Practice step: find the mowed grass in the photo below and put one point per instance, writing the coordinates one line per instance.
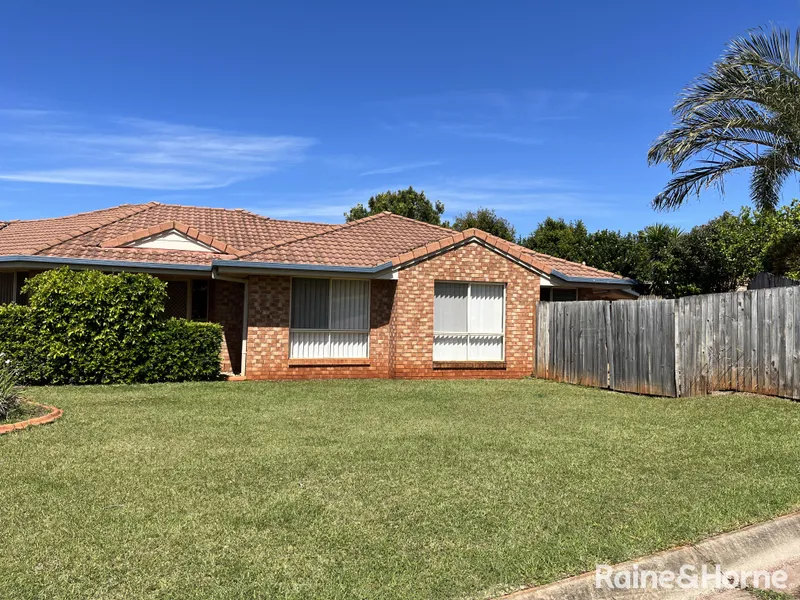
(377, 489)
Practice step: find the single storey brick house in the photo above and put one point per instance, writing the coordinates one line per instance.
(383, 296)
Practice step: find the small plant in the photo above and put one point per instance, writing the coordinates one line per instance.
(9, 392)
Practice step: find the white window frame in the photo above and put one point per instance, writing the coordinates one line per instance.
(470, 334)
(330, 315)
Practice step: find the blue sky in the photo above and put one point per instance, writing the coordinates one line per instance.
(299, 110)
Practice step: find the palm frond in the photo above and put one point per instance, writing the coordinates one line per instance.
(712, 172)
(767, 180)
(743, 113)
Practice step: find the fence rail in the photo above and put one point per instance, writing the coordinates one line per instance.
(741, 341)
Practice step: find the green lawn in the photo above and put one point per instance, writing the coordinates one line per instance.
(373, 489)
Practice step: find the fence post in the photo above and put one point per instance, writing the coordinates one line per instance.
(676, 319)
(609, 344)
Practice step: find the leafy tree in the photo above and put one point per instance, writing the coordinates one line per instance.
(782, 255)
(407, 203)
(659, 264)
(559, 238)
(721, 255)
(744, 113)
(781, 240)
(488, 221)
(613, 251)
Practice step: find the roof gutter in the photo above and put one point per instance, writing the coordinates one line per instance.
(249, 267)
(261, 267)
(54, 261)
(597, 280)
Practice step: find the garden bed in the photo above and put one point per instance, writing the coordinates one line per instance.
(27, 414)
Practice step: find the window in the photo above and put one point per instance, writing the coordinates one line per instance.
(468, 321)
(199, 300)
(330, 318)
(177, 299)
(187, 299)
(554, 294)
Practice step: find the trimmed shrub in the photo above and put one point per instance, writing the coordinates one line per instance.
(185, 351)
(9, 393)
(17, 342)
(83, 327)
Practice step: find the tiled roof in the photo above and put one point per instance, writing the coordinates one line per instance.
(29, 237)
(367, 242)
(244, 236)
(84, 235)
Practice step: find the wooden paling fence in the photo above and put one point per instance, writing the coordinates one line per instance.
(741, 341)
(768, 280)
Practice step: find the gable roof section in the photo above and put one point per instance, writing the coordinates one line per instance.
(86, 236)
(186, 230)
(510, 249)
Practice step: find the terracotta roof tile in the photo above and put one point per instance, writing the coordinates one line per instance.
(364, 243)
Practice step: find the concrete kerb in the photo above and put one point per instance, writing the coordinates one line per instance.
(752, 548)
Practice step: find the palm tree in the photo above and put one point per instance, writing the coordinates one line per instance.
(744, 113)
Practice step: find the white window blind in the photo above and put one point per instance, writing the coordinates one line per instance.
(468, 321)
(330, 318)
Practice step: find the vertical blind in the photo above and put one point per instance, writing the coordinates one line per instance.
(330, 318)
(468, 321)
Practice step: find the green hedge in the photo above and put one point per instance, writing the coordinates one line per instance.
(82, 327)
(181, 351)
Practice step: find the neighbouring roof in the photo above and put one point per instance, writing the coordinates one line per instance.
(239, 237)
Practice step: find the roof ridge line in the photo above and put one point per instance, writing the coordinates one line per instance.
(233, 210)
(307, 236)
(78, 231)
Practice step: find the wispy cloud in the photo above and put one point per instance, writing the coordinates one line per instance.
(401, 168)
(480, 133)
(519, 117)
(64, 148)
(519, 194)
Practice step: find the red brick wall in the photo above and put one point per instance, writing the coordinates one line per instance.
(226, 307)
(268, 335)
(401, 323)
(413, 313)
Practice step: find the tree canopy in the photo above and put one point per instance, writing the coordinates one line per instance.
(559, 238)
(407, 203)
(488, 221)
(718, 256)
